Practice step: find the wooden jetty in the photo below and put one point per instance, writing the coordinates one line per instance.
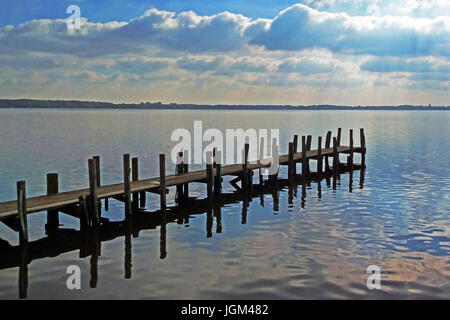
(85, 204)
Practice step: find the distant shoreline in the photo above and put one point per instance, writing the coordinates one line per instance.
(67, 104)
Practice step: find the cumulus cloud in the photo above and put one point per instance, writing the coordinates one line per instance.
(295, 28)
(300, 27)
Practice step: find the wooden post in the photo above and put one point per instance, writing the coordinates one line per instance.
(275, 160)
(180, 170)
(93, 199)
(22, 211)
(308, 148)
(245, 181)
(327, 146)
(186, 170)
(162, 180)
(135, 177)
(295, 142)
(52, 215)
(304, 166)
(350, 158)
(218, 178)
(291, 162)
(363, 147)
(85, 221)
(209, 176)
(261, 157)
(335, 156)
(339, 136)
(98, 176)
(126, 184)
(319, 155)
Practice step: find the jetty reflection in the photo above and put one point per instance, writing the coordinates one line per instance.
(88, 241)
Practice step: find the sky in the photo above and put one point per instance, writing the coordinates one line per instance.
(361, 52)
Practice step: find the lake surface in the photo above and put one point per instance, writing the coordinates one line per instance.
(397, 217)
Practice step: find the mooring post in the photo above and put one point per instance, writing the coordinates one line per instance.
(85, 221)
(209, 176)
(319, 155)
(350, 157)
(335, 156)
(304, 161)
(186, 170)
(245, 180)
(162, 180)
(93, 198)
(126, 184)
(22, 211)
(308, 148)
(327, 146)
(135, 177)
(98, 175)
(261, 157)
(52, 215)
(295, 142)
(339, 136)
(180, 170)
(218, 178)
(291, 162)
(363, 147)
(275, 162)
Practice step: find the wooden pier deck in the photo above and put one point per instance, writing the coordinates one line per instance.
(64, 199)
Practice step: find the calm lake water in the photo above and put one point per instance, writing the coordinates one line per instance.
(397, 218)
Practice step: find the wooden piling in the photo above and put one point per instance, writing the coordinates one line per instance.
(52, 215)
(98, 176)
(335, 156)
(308, 148)
(363, 147)
(295, 142)
(162, 180)
(327, 145)
(180, 170)
(350, 157)
(339, 136)
(186, 170)
(85, 221)
(275, 161)
(135, 177)
(22, 210)
(261, 157)
(93, 199)
(304, 161)
(245, 180)
(319, 155)
(209, 176)
(218, 177)
(291, 164)
(126, 184)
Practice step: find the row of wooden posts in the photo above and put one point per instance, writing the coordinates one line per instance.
(89, 207)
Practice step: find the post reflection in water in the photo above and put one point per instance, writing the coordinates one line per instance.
(23, 272)
(89, 241)
(218, 215)
(209, 223)
(128, 228)
(96, 252)
(162, 237)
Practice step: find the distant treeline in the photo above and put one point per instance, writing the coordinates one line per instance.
(60, 104)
